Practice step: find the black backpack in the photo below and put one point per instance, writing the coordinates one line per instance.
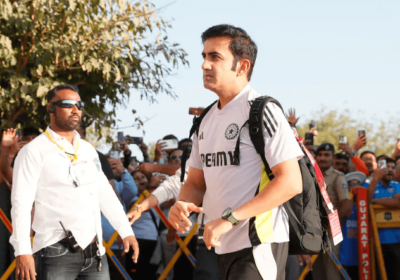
(307, 212)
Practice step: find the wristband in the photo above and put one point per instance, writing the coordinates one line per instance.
(138, 207)
(353, 153)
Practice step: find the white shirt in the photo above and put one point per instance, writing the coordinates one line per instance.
(171, 187)
(42, 176)
(230, 185)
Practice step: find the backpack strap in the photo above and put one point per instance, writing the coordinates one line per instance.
(153, 217)
(256, 127)
(256, 130)
(195, 128)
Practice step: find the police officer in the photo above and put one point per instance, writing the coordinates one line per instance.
(62, 175)
(338, 192)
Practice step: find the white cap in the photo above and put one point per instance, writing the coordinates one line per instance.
(361, 177)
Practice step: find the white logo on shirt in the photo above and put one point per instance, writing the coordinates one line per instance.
(232, 131)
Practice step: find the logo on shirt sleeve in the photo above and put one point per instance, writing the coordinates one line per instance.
(232, 131)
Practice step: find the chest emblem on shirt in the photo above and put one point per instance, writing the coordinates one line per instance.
(390, 190)
(232, 131)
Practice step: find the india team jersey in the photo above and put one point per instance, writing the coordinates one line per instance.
(229, 185)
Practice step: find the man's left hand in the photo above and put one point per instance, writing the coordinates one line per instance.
(213, 230)
(131, 241)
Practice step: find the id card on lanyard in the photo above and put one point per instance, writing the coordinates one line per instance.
(83, 172)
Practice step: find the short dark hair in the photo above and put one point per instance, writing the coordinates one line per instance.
(367, 152)
(381, 157)
(342, 156)
(390, 160)
(184, 140)
(397, 158)
(169, 137)
(241, 45)
(53, 92)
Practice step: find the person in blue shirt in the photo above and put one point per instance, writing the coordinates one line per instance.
(146, 232)
(127, 190)
(386, 192)
(348, 256)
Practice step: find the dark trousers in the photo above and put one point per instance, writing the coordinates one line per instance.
(114, 271)
(142, 270)
(59, 262)
(391, 255)
(241, 264)
(206, 264)
(183, 269)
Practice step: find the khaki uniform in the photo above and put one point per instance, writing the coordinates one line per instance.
(337, 187)
(338, 190)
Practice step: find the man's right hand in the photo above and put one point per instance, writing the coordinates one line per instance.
(379, 173)
(360, 142)
(25, 268)
(9, 137)
(133, 215)
(159, 151)
(116, 164)
(179, 213)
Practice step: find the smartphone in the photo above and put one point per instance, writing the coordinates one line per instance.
(342, 140)
(312, 125)
(19, 133)
(121, 137)
(134, 161)
(170, 144)
(134, 140)
(114, 154)
(310, 139)
(361, 131)
(195, 111)
(382, 163)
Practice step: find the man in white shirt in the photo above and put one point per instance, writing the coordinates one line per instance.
(246, 221)
(62, 175)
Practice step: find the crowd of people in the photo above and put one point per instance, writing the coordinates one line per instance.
(344, 169)
(56, 188)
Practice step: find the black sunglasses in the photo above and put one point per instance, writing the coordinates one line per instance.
(175, 157)
(66, 103)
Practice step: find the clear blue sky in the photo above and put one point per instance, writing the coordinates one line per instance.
(337, 54)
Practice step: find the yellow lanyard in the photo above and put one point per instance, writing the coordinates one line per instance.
(72, 158)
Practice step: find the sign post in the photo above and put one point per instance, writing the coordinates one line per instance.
(364, 261)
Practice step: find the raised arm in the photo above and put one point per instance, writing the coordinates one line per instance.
(9, 148)
(169, 189)
(169, 169)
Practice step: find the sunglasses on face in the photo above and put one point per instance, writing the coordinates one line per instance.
(66, 103)
(175, 157)
(354, 184)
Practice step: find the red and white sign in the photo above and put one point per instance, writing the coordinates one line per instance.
(364, 262)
